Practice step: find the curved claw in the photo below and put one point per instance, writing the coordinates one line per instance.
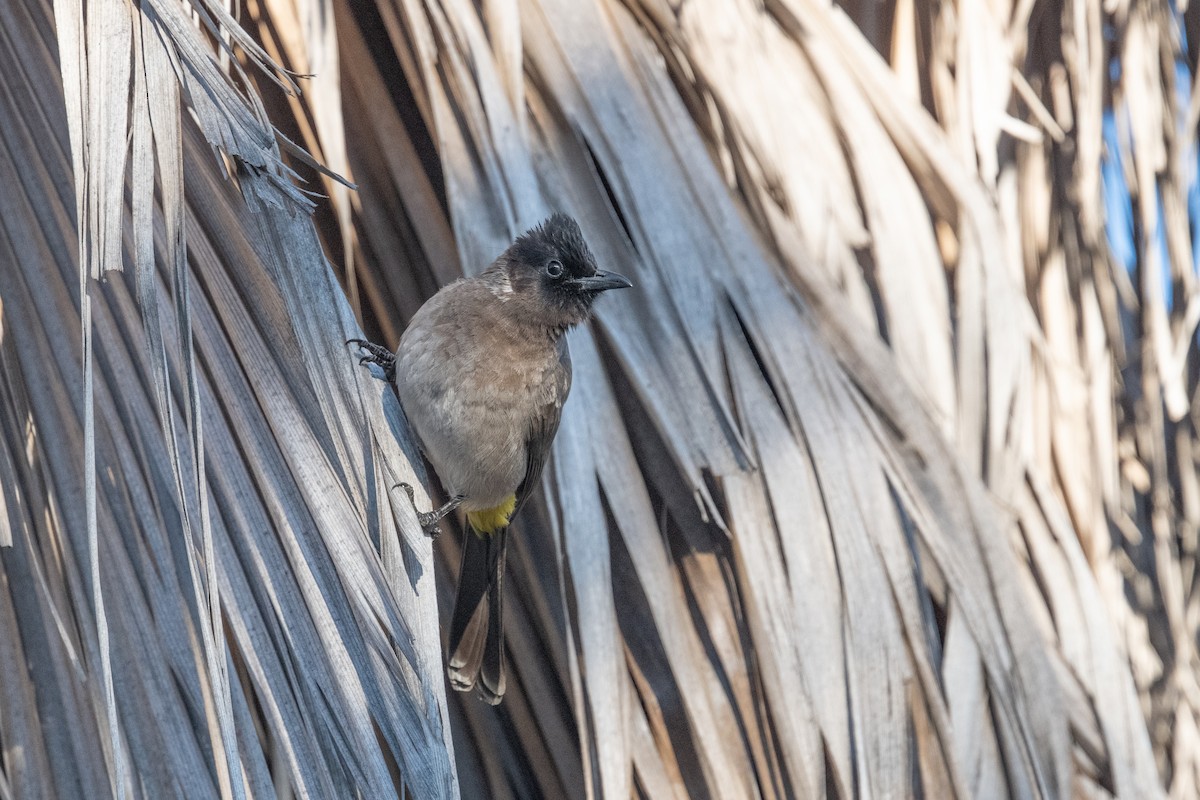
(408, 489)
(429, 519)
(376, 354)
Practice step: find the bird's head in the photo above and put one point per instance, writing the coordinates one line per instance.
(551, 268)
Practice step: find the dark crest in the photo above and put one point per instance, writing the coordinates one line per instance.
(551, 267)
(558, 238)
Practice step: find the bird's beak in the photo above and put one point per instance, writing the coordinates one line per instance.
(602, 281)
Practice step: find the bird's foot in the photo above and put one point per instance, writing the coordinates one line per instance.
(429, 520)
(377, 354)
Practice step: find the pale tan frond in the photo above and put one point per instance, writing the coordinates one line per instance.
(262, 611)
(882, 482)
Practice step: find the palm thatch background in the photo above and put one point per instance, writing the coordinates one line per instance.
(883, 482)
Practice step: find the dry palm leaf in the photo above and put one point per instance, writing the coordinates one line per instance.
(233, 568)
(831, 505)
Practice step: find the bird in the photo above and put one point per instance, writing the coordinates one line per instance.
(482, 372)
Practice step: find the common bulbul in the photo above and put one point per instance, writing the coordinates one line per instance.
(482, 373)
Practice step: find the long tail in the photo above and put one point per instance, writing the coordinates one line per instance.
(477, 623)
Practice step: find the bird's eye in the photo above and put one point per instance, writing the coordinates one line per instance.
(554, 269)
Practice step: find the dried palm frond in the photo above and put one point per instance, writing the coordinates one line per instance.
(852, 495)
(232, 569)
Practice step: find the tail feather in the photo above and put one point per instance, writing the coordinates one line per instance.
(491, 675)
(476, 624)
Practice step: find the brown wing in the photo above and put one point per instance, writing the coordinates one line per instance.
(544, 427)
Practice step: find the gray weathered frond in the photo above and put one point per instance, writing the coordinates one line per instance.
(267, 618)
(882, 481)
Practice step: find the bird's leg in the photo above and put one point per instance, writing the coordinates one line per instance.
(429, 519)
(377, 354)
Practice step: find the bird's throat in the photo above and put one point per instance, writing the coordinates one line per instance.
(489, 520)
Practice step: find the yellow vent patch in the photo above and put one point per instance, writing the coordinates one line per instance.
(490, 520)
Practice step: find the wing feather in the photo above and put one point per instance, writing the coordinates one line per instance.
(544, 427)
